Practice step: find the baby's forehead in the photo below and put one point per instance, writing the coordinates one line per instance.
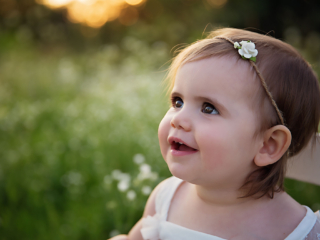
(237, 73)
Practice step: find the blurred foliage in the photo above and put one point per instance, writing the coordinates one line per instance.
(66, 122)
(171, 21)
(78, 103)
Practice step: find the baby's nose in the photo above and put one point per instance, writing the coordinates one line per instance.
(181, 121)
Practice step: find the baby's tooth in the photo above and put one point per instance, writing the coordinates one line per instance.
(180, 143)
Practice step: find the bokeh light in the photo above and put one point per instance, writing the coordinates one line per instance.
(95, 13)
(134, 2)
(55, 3)
(216, 3)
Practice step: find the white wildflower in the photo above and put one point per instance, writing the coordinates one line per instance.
(124, 177)
(131, 195)
(145, 168)
(114, 232)
(146, 190)
(120, 176)
(236, 45)
(116, 173)
(138, 158)
(147, 175)
(123, 186)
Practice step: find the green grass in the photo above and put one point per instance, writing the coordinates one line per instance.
(67, 121)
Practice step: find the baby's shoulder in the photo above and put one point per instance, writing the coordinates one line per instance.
(157, 195)
(285, 218)
(314, 233)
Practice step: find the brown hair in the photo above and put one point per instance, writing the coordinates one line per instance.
(292, 84)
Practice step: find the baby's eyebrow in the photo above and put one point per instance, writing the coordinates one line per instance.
(175, 94)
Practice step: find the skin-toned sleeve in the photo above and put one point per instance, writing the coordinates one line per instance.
(306, 165)
(149, 210)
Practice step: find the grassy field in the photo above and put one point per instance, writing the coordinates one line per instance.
(78, 140)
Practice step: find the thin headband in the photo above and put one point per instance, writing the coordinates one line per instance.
(251, 56)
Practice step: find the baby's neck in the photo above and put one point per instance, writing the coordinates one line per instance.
(230, 198)
(223, 213)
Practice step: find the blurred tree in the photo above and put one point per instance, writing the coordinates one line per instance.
(171, 21)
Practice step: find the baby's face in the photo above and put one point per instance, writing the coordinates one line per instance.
(212, 115)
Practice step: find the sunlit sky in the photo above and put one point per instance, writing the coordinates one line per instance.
(95, 13)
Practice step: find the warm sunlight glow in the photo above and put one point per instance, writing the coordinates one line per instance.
(95, 13)
(55, 3)
(134, 2)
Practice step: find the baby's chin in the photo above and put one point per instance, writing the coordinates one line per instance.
(182, 172)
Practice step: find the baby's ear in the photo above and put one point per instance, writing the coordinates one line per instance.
(276, 141)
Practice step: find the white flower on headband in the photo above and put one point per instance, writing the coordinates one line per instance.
(247, 50)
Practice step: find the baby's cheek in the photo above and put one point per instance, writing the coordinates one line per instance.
(163, 132)
(215, 152)
(214, 160)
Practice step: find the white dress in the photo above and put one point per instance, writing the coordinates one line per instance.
(157, 227)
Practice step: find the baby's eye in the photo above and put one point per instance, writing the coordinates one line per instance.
(177, 102)
(209, 109)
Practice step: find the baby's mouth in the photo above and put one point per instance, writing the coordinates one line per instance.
(179, 146)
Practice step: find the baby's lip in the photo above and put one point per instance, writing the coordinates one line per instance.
(172, 140)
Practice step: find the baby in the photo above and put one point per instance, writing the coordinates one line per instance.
(242, 105)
